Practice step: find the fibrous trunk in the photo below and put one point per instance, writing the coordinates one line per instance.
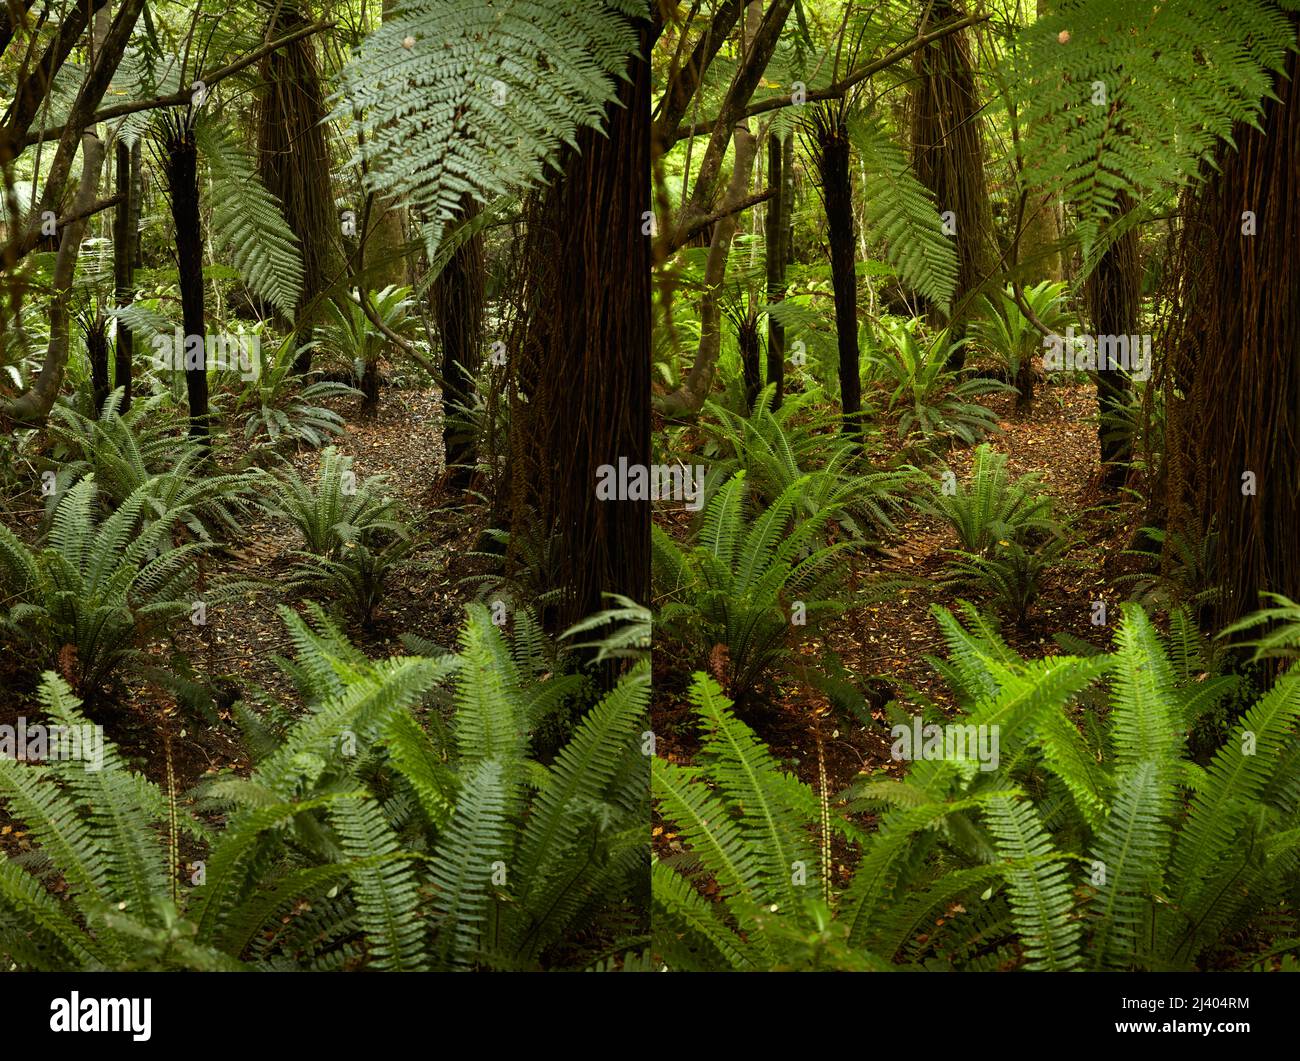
(774, 239)
(293, 160)
(124, 250)
(948, 156)
(829, 143)
(580, 356)
(457, 301)
(1114, 294)
(1234, 344)
(179, 158)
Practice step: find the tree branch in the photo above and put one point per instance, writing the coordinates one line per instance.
(182, 97)
(679, 239)
(838, 89)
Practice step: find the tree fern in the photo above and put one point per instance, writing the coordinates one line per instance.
(900, 213)
(470, 98)
(1122, 99)
(247, 222)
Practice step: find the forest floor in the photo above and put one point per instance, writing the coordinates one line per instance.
(424, 596)
(883, 645)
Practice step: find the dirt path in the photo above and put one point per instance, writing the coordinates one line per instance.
(889, 640)
(404, 443)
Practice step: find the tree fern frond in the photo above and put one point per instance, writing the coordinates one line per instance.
(248, 223)
(457, 97)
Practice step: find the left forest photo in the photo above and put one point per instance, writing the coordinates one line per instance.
(324, 355)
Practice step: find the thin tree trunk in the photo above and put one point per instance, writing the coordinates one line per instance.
(774, 241)
(693, 393)
(457, 301)
(829, 143)
(124, 248)
(35, 405)
(180, 158)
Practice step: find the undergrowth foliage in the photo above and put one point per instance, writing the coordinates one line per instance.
(755, 579)
(1100, 840)
(362, 837)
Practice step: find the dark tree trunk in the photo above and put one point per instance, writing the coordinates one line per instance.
(774, 239)
(457, 302)
(948, 156)
(293, 161)
(137, 191)
(179, 158)
(124, 249)
(97, 353)
(369, 387)
(1234, 342)
(580, 354)
(829, 142)
(1114, 292)
(747, 340)
(787, 209)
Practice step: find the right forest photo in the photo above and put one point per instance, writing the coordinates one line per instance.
(975, 376)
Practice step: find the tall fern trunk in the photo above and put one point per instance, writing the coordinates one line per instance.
(1234, 341)
(747, 342)
(774, 240)
(829, 144)
(1041, 255)
(1114, 294)
(580, 355)
(948, 156)
(293, 161)
(124, 250)
(457, 302)
(97, 354)
(179, 160)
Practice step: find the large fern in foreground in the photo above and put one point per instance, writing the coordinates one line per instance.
(360, 838)
(1098, 845)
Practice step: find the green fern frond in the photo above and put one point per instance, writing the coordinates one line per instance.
(464, 98)
(247, 221)
(900, 213)
(1041, 897)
